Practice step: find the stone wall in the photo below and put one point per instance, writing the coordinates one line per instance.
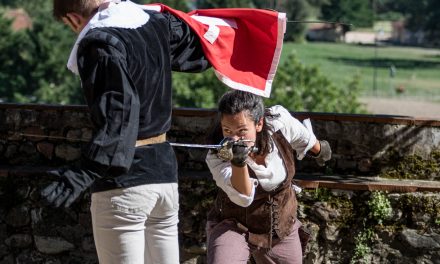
(362, 145)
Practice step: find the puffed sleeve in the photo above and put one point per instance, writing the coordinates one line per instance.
(221, 172)
(113, 102)
(300, 136)
(186, 51)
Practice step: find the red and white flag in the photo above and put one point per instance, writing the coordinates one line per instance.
(242, 44)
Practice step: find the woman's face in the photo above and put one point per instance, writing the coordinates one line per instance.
(240, 126)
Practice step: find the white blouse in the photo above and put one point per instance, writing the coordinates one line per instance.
(299, 135)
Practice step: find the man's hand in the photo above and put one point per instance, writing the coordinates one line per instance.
(68, 187)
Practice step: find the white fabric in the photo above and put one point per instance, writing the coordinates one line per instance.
(136, 225)
(118, 14)
(270, 176)
(213, 31)
(296, 188)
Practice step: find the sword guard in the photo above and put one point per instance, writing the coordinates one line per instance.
(225, 151)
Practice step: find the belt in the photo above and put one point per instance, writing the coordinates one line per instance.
(152, 140)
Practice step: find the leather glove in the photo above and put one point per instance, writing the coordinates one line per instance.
(240, 151)
(324, 154)
(68, 187)
(234, 151)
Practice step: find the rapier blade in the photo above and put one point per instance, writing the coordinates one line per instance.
(195, 145)
(174, 144)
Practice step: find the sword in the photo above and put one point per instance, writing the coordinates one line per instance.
(189, 145)
(220, 146)
(46, 136)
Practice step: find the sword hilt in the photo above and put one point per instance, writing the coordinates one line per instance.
(225, 151)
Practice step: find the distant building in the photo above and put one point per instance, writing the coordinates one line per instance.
(324, 32)
(20, 19)
(363, 37)
(335, 33)
(401, 35)
(360, 37)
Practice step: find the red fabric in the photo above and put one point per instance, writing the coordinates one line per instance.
(246, 52)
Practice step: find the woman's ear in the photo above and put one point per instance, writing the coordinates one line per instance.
(259, 125)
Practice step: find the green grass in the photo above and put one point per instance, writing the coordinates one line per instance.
(417, 69)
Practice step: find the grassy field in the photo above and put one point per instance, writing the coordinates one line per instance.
(417, 70)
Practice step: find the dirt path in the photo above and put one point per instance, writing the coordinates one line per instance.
(405, 107)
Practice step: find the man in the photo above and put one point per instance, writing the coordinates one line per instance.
(124, 56)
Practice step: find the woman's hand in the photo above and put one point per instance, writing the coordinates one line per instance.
(240, 152)
(324, 154)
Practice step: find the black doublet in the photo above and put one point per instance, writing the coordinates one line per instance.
(126, 78)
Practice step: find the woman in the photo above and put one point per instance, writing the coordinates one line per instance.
(255, 210)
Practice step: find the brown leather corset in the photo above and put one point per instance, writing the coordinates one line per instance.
(271, 214)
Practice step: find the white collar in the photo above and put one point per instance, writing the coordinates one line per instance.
(125, 14)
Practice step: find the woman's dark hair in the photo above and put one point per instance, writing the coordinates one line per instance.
(234, 102)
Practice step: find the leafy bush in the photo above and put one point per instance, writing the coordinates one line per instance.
(33, 71)
(362, 248)
(296, 87)
(33, 60)
(413, 166)
(380, 207)
(200, 90)
(302, 88)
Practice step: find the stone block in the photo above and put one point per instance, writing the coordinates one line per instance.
(18, 216)
(419, 241)
(35, 131)
(46, 149)
(67, 152)
(52, 245)
(19, 241)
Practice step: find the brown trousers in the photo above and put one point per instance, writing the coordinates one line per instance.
(227, 244)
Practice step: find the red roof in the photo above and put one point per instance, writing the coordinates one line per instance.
(20, 19)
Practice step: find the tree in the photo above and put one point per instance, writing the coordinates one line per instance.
(200, 90)
(297, 87)
(302, 88)
(296, 10)
(176, 4)
(33, 70)
(14, 53)
(356, 12)
(35, 59)
(420, 15)
(202, 4)
(8, 2)
(432, 25)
